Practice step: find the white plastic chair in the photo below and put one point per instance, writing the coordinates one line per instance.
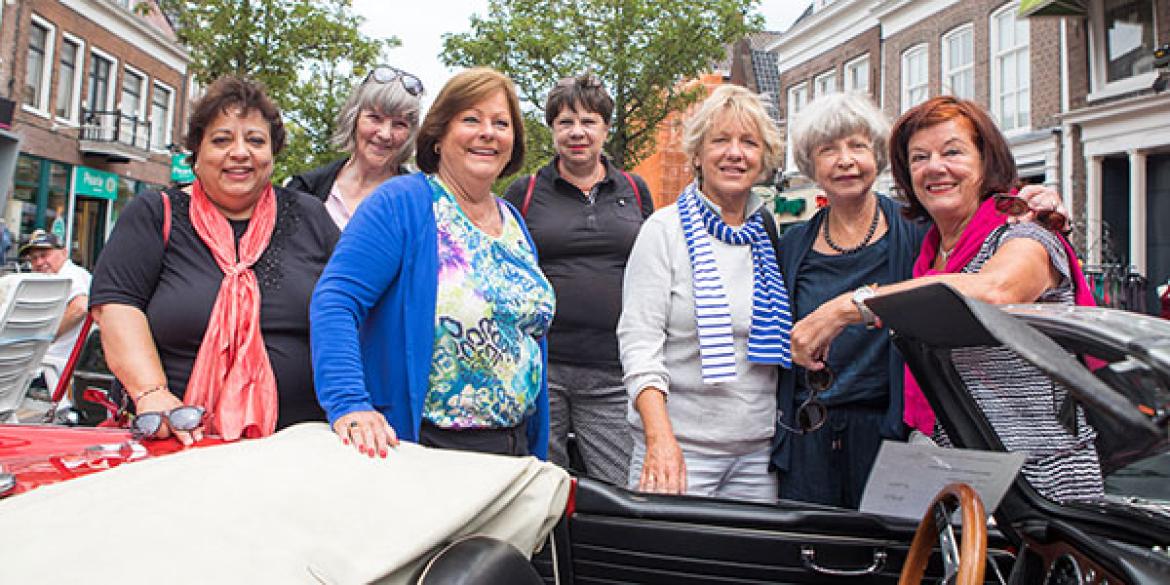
(31, 306)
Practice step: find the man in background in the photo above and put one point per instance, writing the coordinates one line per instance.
(46, 254)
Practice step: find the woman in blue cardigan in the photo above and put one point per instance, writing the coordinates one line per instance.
(428, 323)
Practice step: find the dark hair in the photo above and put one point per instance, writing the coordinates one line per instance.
(463, 91)
(999, 167)
(227, 94)
(581, 93)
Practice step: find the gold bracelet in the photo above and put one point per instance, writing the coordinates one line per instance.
(149, 391)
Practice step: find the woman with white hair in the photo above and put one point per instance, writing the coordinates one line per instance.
(832, 421)
(859, 240)
(377, 127)
(705, 319)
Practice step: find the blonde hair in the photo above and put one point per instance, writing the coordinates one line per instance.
(742, 105)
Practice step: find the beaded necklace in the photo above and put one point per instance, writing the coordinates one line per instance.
(877, 214)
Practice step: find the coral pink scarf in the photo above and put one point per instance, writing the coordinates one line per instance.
(918, 413)
(232, 377)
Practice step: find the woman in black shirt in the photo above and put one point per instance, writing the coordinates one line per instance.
(178, 261)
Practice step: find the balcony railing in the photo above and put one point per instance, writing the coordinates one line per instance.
(115, 126)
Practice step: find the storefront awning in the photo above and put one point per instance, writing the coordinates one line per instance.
(1053, 7)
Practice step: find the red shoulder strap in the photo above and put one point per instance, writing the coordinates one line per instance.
(528, 195)
(166, 226)
(634, 186)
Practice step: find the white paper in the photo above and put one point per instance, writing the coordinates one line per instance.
(906, 477)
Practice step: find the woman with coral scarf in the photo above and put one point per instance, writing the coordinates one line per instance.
(202, 292)
(955, 166)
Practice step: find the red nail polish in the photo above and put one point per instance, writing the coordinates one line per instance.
(383, 454)
(344, 441)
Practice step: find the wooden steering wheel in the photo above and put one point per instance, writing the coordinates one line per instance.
(966, 562)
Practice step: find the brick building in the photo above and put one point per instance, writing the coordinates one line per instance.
(1115, 130)
(1070, 84)
(99, 90)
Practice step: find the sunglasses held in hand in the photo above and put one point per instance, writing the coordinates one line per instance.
(387, 74)
(185, 418)
(812, 413)
(1015, 206)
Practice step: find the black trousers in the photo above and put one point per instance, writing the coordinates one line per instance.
(506, 441)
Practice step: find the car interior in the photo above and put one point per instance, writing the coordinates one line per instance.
(1116, 366)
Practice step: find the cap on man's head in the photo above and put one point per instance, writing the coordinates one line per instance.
(41, 240)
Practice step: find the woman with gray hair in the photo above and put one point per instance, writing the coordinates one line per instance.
(827, 439)
(705, 318)
(831, 421)
(377, 127)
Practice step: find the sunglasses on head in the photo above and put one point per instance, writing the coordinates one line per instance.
(812, 413)
(387, 74)
(185, 418)
(589, 81)
(1014, 205)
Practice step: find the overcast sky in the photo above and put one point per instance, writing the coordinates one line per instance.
(420, 26)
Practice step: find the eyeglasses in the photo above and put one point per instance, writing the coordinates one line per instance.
(1014, 205)
(184, 418)
(387, 74)
(812, 413)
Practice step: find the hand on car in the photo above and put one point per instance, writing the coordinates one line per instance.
(368, 431)
(1042, 203)
(664, 470)
(163, 401)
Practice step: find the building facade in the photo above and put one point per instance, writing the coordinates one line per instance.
(1071, 85)
(98, 89)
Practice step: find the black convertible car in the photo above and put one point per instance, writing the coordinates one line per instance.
(1117, 368)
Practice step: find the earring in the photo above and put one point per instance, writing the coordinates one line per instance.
(436, 149)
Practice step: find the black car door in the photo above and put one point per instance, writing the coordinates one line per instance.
(614, 535)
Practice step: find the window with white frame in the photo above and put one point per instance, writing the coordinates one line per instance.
(958, 60)
(133, 106)
(162, 102)
(915, 76)
(797, 99)
(1128, 38)
(38, 65)
(99, 99)
(1010, 70)
(857, 74)
(825, 83)
(69, 78)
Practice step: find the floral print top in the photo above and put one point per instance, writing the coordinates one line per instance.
(493, 303)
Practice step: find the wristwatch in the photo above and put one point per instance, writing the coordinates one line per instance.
(859, 297)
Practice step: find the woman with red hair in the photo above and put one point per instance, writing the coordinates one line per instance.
(955, 167)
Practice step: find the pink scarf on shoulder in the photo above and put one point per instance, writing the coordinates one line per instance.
(232, 378)
(917, 412)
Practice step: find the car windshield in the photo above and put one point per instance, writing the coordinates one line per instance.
(1128, 352)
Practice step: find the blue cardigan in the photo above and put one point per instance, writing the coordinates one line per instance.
(905, 239)
(373, 312)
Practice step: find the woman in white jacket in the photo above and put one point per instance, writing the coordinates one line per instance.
(705, 319)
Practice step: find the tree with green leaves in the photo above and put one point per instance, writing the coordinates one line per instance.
(643, 50)
(308, 53)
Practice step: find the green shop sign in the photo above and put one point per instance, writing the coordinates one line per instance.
(181, 171)
(94, 183)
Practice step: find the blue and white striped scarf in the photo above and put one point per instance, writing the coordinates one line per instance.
(769, 339)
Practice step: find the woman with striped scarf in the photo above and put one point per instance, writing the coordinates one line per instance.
(705, 319)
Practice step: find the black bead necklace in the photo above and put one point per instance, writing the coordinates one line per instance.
(877, 214)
